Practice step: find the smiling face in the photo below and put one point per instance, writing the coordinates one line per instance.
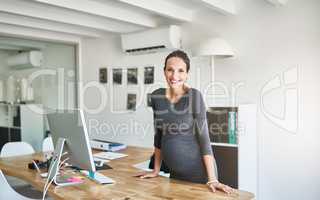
(175, 72)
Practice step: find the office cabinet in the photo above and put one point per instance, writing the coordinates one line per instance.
(9, 132)
(236, 160)
(22, 122)
(4, 136)
(32, 125)
(227, 164)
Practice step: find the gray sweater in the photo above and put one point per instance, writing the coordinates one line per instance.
(181, 132)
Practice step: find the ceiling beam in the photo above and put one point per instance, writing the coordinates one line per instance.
(12, 48)
(41, 11)
(103, 10)
(19, 20)
(163, 8)
(37, 34)
(21, 44)
(226, 7)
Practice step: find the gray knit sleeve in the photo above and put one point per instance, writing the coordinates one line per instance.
(157, 131)
(157, 139)
(200, 123)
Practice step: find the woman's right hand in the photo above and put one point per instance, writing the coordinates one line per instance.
(148, 174)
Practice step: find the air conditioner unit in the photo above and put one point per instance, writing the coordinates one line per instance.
(26, 60)
(278, 2)
(152, 40)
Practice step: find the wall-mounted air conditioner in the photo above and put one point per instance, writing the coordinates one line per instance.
(278, 2)
(25, 60)
(152, 40)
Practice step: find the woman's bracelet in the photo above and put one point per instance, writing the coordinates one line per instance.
(214, 181)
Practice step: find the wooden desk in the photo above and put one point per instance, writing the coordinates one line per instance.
(126, 186)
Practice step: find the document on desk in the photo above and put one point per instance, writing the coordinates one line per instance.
(145, 167)
(109, 155)
(99, 159)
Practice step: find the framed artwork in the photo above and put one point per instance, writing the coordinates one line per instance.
(149, 75)
(132, 76)
(131, 102)
(103, 75)
(117, 76)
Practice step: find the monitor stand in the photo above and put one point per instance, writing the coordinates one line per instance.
(54, 166)
(54, 169)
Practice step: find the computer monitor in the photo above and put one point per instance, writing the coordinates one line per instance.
(70, 125)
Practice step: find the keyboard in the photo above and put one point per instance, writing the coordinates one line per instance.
(98, 177)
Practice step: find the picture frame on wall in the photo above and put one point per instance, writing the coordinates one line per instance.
(103, 75)
(149, 75)
(117, 76)
(131, 102)
(132, 76)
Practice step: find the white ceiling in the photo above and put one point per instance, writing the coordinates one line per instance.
(94, 18)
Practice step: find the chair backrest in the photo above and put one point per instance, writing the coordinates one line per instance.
(16, 149)
(47, 144)
(6, 192)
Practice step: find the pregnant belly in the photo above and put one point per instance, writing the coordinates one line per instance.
(182, 155)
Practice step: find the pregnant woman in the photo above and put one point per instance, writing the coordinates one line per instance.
(181, 131)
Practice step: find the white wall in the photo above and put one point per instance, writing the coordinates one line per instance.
(3, 70)
(56, 56)
(268, 41)
(114, 122)
(61, 57)
(3, 65)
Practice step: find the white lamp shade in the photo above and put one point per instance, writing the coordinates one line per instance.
(214, 47)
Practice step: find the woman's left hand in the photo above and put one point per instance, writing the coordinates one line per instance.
(219, 186)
